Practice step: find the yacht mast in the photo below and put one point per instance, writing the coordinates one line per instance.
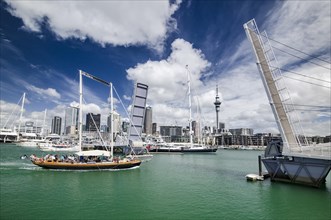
(80, 114)
(42, 129)
(189, 103)
(81, 101)
(112, 121)
(20, 120)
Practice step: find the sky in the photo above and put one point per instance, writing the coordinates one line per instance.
(45, 43)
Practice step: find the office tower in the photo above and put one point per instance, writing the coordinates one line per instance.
(71, 120)
(148, 120)
(93, 122)
(56, 125)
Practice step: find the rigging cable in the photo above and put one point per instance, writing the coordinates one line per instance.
(302, 107)
(315, 106)
(290, 71)
(301, 58)
(297, 50)
(307, 82)
(12, 113)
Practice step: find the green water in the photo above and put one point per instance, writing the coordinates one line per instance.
(189, 186)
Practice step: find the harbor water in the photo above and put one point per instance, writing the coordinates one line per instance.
(170, 186)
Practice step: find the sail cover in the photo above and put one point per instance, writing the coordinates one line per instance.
(138, 112)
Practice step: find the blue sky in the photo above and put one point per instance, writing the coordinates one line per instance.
(43, 44)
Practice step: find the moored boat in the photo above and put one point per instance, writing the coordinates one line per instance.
(181, 148)
(8, 135)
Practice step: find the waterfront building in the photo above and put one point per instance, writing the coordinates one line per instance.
(71, 121)
(171, 131)
(195, 128)
(93, 122)
(221, 127)
(148, 120)
(56, 125)
(154, 128)
(241, 131)
(242, 139)
(117, 123)
(30, 127)
(317, 139)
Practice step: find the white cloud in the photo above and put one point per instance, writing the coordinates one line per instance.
(45, 93)
(167, 80)
(105, 22)
(304, 25)
(126, 97)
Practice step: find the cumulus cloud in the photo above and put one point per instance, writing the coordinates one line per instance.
(167, 79)
(105, 22)
(45, 93)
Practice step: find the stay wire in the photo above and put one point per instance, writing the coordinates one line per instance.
(298, 50)
(307, 82)
(301, 58)
(311, 106)
(290, 71)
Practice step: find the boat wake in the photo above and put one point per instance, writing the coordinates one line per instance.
(17, 165)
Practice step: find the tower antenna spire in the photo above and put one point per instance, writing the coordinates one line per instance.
(217, 104)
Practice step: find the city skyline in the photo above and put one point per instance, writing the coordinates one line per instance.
(119, 123)
(41, 52)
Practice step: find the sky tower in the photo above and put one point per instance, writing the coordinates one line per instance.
(217, 104)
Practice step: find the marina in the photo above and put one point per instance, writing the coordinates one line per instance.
(117, 120)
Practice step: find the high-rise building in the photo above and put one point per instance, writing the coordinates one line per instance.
(148, 120)
(154, 128)
(56, 125)
(116, 122)
(93, 122)
(71, 120)
(221, 127)
(195, 128)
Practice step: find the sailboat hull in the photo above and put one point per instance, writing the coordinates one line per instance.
(183, 150)
(87, 166)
